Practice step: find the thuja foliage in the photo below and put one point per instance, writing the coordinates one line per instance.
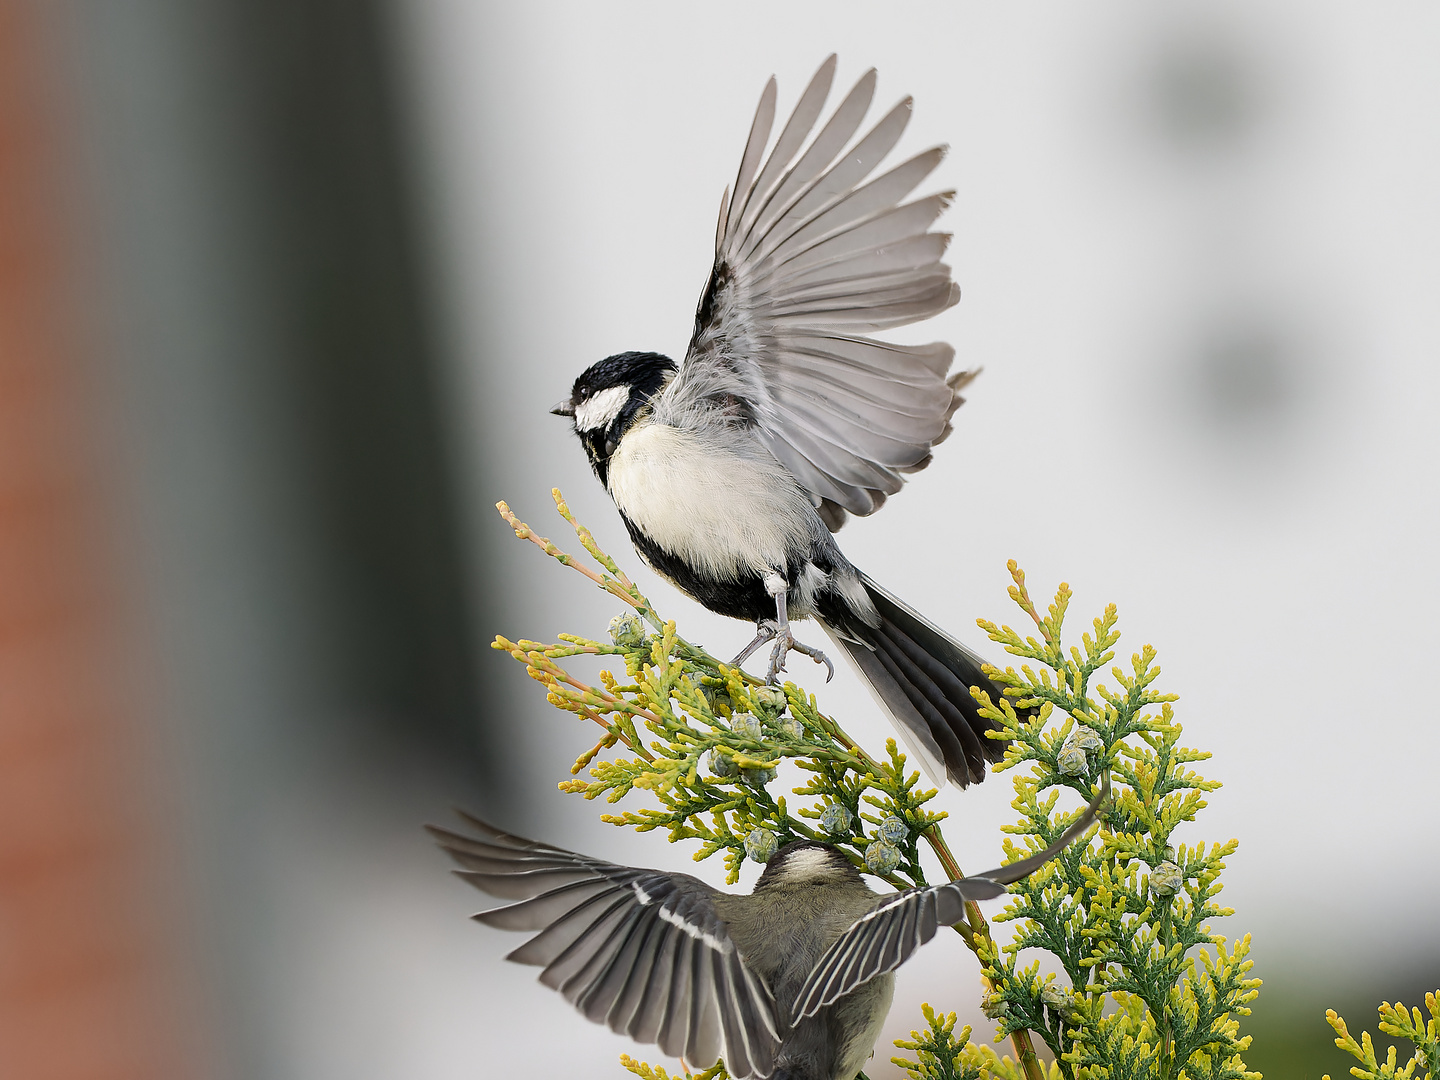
(656, 1072)
(717, 736)
(940, 1054)
(1146, 990)
(1398, 1023)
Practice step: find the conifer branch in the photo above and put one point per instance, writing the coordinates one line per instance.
(1125, 911)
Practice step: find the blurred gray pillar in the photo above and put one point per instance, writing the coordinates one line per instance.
(266, 339)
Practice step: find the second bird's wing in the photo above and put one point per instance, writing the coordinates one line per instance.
(641, 951)
(809, 258)
(884, 938)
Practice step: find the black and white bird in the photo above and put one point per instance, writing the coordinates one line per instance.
(732, 469)
(793, 981)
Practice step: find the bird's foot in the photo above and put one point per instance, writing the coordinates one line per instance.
(765, 630)
(784, 643)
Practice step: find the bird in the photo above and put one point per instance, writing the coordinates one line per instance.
(732, 469)
(793, 981)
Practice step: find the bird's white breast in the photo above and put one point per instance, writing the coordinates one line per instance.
(723, 511)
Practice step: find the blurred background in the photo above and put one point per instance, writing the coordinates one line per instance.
(286, 289)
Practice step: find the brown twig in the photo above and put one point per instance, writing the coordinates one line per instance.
(1021, 596)
(545, 544)
(975, 932)
(1025, 1053)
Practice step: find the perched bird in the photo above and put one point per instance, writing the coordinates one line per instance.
(732, 469)
(793, 981)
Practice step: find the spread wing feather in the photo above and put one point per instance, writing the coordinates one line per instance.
(825, 190)
(807, 111)
(885, 937)
(641, 951)
(838, 130)
(809, 257)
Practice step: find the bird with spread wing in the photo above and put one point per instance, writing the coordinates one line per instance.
(733, 469)
(792, 981)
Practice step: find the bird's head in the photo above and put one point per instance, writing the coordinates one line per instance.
(608, 397)
(807, 863)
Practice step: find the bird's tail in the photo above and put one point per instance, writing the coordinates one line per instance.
(922, 677)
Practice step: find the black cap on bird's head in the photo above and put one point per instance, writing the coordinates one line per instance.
(806, 863)
(608, 395)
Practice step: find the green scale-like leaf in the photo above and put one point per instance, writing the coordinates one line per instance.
(1147, 990)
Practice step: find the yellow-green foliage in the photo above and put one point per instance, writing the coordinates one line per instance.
(655, 1072)
(707, 718)
(1399, 1023)
(1147, 990)
(940, 1054)
(1127, 915)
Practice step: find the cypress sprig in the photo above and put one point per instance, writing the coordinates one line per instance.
(708, 738)
(940, 1054)
(1127, 915)
(655, 1072)
(1398, 1023)
(1147, 990)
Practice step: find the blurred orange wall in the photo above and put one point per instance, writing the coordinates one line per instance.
(90, 978)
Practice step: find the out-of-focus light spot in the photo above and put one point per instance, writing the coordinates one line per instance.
(1244, 373)
(1204, 96)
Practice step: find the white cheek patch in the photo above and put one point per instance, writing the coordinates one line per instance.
(599, 411)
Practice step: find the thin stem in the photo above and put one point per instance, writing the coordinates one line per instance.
(587, 540)
(1167, 1049)
(610, 585)
(634, 744)
(975, 928)
(975, 932)
(936, 840)
(1025, 1052)
(619, 585)
(1098, 971)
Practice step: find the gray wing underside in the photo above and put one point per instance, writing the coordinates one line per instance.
(640, 951)
(888, 935)
(809, 258)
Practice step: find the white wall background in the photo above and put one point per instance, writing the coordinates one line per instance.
(1197, 245)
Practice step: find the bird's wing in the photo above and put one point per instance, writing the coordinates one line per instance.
(885, 937)
(641, 951)
(808, 259)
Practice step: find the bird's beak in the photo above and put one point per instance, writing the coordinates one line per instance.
(563, 408)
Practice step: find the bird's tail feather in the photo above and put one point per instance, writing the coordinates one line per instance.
(922, 677)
